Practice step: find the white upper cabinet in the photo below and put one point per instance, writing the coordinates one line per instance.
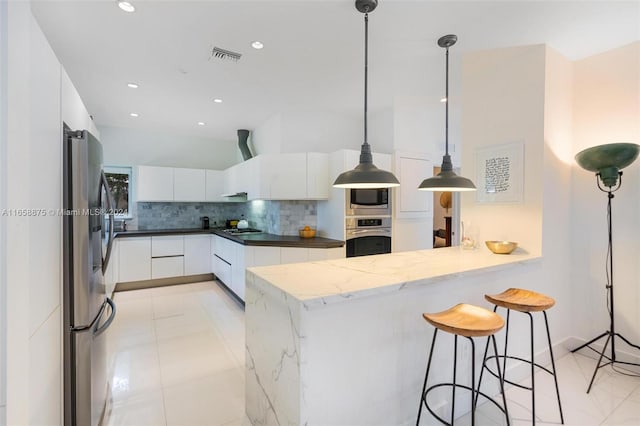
(282, 177)
(214, 185)
(189, 184)
(317, 176)
(411, 169)
(299, 176)
(154, 183)
(292, 176)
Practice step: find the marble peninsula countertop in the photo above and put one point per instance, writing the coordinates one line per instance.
(333, 281)
(257, 239)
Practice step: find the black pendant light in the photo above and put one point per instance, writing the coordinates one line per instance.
(366, 174)
(447, 180)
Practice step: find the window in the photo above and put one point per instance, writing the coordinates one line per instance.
(119, 179)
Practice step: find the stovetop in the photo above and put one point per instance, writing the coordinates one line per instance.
(236, 231)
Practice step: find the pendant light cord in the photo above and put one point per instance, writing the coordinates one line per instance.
(366, 69)
(446, 106)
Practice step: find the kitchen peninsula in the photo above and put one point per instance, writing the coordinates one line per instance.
(343, 341)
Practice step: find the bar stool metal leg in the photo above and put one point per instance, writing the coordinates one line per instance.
(533, 373)
(500, 379)
(426, 376)
(532, 363)
(473, 382)
(553, 366)
(453, 388)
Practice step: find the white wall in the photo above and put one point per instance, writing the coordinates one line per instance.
(3, 204)
(557, 245)
(503, 102)
(39, 96)
(524, 94)
(606, 110)
(124, 146)
(308, 131)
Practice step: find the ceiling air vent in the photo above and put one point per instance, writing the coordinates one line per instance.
(225, 55)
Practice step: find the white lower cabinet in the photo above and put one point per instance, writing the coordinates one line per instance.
(134, 259)
(316, 254)
(230, 259)
(197, 254)
(294, 255)
(166, 267)
(111, 275)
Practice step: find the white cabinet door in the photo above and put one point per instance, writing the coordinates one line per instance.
(317, 176)
(189, 184)
(111, 276)
(238, 270)
(154, 183)
(294, 254)
(167, 245)
(214, 186)
(197, 254)
(230, 180)
(222, 271)
(166, 267)
(261, 256)
(411, 170)
(135, 259)
(316, 254)
(287, 176)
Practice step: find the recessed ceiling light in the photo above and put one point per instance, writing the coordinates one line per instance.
(257, 45)
(201, 123)
(133, 85)
(134, 114)
(443, 100)
(126, 6)
(218, 101)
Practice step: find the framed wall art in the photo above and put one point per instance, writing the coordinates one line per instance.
(500, 173)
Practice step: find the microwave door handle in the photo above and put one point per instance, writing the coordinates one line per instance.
(107, 255)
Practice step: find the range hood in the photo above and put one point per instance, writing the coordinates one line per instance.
(235, 195)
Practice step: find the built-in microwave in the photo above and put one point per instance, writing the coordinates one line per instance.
(368, 202)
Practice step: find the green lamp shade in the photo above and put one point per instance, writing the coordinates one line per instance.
(607, 160)
(365, 176)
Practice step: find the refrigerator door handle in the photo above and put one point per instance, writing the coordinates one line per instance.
(110, 208)
(99, 330)
(83, 328)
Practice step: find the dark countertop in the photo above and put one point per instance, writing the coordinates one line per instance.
(262, 239)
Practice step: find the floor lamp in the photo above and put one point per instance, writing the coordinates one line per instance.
(607, 161)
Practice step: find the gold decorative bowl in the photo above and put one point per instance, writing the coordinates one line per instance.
(501, 247)
(307, 233)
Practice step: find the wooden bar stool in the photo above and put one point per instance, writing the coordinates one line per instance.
(524, 301)
(468, 321)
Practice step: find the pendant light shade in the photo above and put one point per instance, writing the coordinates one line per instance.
(366, 174)
(447, 179)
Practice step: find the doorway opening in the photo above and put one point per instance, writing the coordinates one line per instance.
(446, 217)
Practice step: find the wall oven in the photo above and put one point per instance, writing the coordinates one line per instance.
(368, 202)
(368, 235)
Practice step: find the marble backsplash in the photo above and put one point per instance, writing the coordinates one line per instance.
(274, 217)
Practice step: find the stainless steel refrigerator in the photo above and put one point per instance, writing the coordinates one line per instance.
(88, 312)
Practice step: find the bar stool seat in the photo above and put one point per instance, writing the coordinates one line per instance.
(525, 301)
(521, 300)
(467, 321)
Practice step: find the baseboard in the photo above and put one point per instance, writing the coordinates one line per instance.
(162, 282)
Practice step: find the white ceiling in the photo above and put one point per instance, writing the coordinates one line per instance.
(313, 55)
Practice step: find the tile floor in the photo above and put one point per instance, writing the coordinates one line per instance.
(178, 359)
